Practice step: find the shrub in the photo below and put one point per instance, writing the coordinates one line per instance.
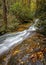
(13, 24)
(23, 13)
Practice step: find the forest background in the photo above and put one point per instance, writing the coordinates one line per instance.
(17, 15)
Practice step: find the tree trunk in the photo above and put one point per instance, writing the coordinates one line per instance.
(29, 2)
(5, 13)
(40, 7)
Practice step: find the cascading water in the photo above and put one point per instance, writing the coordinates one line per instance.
(10, 41)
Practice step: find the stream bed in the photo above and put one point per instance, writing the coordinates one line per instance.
(23, 48)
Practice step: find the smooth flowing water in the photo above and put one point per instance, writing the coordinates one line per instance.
(10, 41)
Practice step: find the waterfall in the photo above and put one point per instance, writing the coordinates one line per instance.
(10, 41)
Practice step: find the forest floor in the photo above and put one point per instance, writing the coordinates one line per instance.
(20, 28)
(30, 51)
(23, 27)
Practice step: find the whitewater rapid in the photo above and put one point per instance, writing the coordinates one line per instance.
(10, 41)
